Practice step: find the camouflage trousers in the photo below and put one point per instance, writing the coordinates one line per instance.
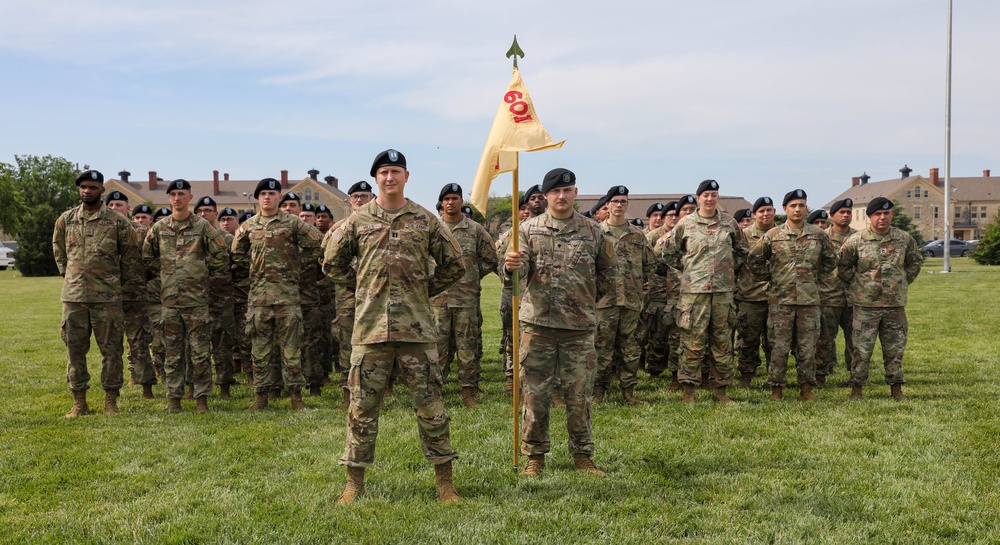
(330, 346)
(139, 333)
(276, 332)
(312, 345)
(834, 318)
(507, 339)
(706, 322)
(661, 336)
(751, 336)
(105, 321)
(458, 333)
(889, 325)
(343, 329)
(222, 311)
(793, 327)
(187, 337)
(551, 357)
(371, 366)
(242, 360)
(617, 346)
(156, 348)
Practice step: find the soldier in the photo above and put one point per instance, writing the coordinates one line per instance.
(393, 240)
(142, 215)
(329, 348)
(522, 209)
(536, 201)
(244, 217)
(455, 309)
(619, 310)
(686, 206)
(566, 266)
(155, 307)
(744, 217)
(793, 257)
(97, 252)
(707, 247)
(188, 255)
(833, 297)
(229, 220)
(670, 214)
(308, 214)
(221, 305)
(242, 361)
(599, 212)
(819, 218)
(660, 331)
(751, 300)
(877, 264)
(654, 215)
(270, 248)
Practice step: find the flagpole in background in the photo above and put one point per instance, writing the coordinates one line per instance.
(515, 128)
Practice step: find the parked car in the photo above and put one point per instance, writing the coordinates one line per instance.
(6, 258)
(959, 248)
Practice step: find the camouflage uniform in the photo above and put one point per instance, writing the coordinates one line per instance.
(456, 308)
(312, 319)
(793, 261)
(342, 328)
(271, 251)
(619, 310)
(877, 271)
(394, 326)
(707, 251)
(506, 312)
(96, 253)
(154, 309)
(222, 310)
(751, 313)
(189, 256)
(138, 327)
(329, 354)
(568, 268)
(660, 329)
(836, 314)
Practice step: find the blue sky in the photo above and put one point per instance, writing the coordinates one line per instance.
(763, 96)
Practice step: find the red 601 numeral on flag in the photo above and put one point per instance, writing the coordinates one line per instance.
(518, 107)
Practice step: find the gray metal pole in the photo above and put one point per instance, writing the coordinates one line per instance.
(947, 155)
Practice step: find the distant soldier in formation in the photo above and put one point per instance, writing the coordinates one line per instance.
(744, 217)
(456, 308)
(96, 251)
(837, 313)
(242, 361)
(308, 214)
(659, 329)
(819, 218)
(382, 252)
(566, 266)
(221, 304)
(877, 264)
(599, 212)
(793, 257)
(619, 310)
(751, 300)
(654, 216)
(329, 351)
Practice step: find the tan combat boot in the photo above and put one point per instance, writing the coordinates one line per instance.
(296, 395)
(80, 407)
(806, 392)
(509, 388)
(355, 485)
(897, 392)
(598, 396)
(777, 392)
(347, 399)
(583, 462)
(689, 393)
(147, 391)
(746, 380)
(259, 404)
(534, 467)
(855, 392)
(469, 397)
(445, 488)
(174, 404)
(224, 392)
(721, 397)
(675, 385)
(201, 404)
(111, 402)
(629, 395)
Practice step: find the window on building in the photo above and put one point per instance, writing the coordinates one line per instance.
(925, 193)
(936, 215)
(309, 195)
(916, 192)
(982, 212)
(958, 213)
(909, 194)
(916, 212)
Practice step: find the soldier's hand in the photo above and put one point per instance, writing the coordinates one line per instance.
(512, 260)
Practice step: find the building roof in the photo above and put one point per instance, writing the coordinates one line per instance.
(976, 189)
(965, 189)
(862, 194)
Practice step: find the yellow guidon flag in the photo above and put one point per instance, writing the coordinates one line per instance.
(515, 128)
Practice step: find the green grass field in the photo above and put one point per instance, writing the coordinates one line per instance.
(832, 471)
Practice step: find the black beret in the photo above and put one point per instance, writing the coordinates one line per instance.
(535, 189)
(686, 200)
(671, 206)
(227, 212)
(793, 195)
(588, 214)
(245, 216)
(115, 196)
(161, 212)
(205, 202)
(309, 207)
(655, 207)
(290, 197)
(467, 210)
(761, 202)
(818, 214)
(637, 222)
(324, 209)
(523, 201)
(179, 183)
(439, 207)
(557, 177)
(389, 157)
(90, 176)
(843, 203)
(600, 204)
(360, 186)
(142, 209)
(743, 213)
(449, 189)
(878, 203)
(267, 184)
(707, 185)
(616, 190)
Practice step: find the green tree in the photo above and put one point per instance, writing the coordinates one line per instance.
(902, 220)
(34, 245)
(988, 252)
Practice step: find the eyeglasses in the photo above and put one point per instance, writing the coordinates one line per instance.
(621, 203)
(360, 197)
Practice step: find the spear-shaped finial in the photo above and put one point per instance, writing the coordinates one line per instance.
(515, 51)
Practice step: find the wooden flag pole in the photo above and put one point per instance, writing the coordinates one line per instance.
(515, 331)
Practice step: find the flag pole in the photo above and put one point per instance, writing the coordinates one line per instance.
(515, 303)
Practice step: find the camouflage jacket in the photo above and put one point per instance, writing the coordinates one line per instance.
(793, 260)
(312, 275)
(270, 251)
(506, 291)
(188, 256)
(748, 286)
(479, 258)
(343, 295)
(878, 269)
(135, 288)
(664, 286)
(221, 285)
(707, 251)
(97, 253)
(393, 283)
(831, 289)
(565, 273)
(636, 267)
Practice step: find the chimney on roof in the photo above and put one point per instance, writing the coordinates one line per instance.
(313, 173)
(284, 179)
(225, 176)
(332, 180)
(125, 174)
(855, 181)
(864, 178)
(935, 178)
(152, 180)
(906, 171)
(986, 173)
(215, 182)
